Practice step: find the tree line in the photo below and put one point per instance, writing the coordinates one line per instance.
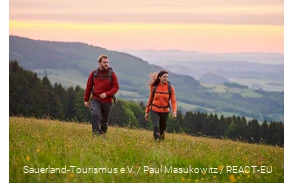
(31, 96)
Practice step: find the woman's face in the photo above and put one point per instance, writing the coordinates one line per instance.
(164, 78)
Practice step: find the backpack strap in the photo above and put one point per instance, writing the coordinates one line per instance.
(170, 92)
(94, 76)
(109, 76)
(110, 72)
(154, 91)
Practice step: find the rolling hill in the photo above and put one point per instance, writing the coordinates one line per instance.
(256, 70)
(211, 78)
(51, 144)
(70, 63)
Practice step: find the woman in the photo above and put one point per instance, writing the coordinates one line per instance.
(161, 91)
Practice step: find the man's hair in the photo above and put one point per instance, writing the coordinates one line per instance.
(101, 57)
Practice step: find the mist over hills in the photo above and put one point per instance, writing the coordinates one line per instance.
(256, 70)
(178, 55)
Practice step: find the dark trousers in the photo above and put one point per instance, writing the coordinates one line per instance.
(159, 120)
(100, 112)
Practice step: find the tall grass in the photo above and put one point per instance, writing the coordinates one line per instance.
(131, 155)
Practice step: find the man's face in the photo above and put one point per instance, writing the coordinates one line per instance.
(104, 63)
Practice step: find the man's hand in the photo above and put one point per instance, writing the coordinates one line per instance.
(174, 115)
(103, 95)
(146, 116)
(87, 104)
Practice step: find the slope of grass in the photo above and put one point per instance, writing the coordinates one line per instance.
(244, 92)
(263, 83)
(191, 107)
(131, 155)
(67, 77)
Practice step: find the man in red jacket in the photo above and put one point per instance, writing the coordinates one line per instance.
(103, 84)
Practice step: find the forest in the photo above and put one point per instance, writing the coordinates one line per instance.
(30, 96)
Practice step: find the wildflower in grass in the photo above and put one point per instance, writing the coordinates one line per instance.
(220, 167)
(182, 179)
(143, 142)
(214, 177)
(197, 180)
(37, 150)
(203, 173)
(71, 175)
(189, 179)
(232, 178)
(27, 158)
(202, 178)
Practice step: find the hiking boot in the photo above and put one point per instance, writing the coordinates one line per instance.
(95, 134)
(102, 134)
(157, 136)
(162, 136)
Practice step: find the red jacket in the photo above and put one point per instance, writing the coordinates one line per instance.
(101, 85)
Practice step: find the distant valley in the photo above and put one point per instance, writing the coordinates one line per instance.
(178, 55)
(70, 63)
(255, 70)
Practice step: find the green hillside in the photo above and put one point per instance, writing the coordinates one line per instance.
(211, 78)
(39, 148)
(70, 64)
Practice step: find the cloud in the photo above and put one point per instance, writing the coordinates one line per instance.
(191, 18)
(247, 12)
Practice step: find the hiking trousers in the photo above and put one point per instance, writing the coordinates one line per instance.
(159, 120)
(100, 113)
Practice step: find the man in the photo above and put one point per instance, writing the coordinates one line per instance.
(103, 84)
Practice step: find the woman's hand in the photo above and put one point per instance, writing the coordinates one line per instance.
(146, 116)
(174, 115)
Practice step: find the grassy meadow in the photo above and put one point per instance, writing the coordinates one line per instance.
(43, 150)
(263, 83)
(68, 77)
(244, 92)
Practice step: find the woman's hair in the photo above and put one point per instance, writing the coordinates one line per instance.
(154, 77)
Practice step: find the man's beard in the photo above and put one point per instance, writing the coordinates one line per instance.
(104, 68)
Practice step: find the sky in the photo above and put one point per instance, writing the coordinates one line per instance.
(211, 26)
